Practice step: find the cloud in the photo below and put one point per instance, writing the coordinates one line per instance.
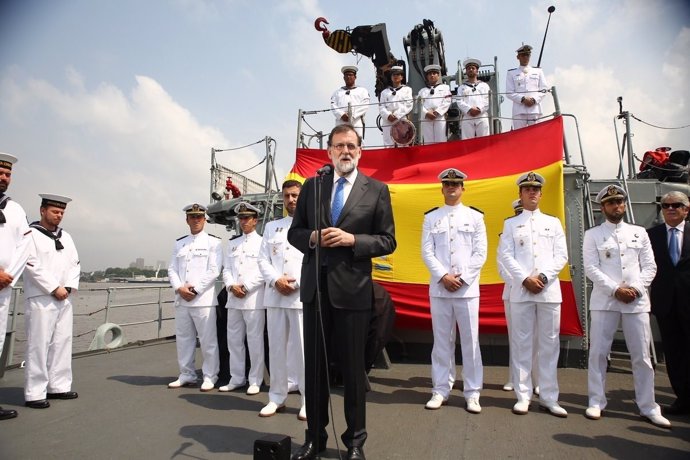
(129, 161)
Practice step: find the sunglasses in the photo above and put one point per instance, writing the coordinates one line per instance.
(672, 205)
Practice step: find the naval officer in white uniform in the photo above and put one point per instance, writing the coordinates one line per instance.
(50, 279)
(454, 250)
(533, 250)
(473, 100)
(194, 267)
(246, 310)
(349, 103)
(15, 244)
(436, 99)
(525, 86)
(280, 264)
(619, 260)
(396, 103)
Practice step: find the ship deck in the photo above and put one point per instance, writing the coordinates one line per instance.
(125, 410)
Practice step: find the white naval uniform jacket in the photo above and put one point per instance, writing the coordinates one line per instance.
(398, 104)
(618, 256)
(438, 102)
(15, 242)
(358, 97)
(278, 258)
(467, 98)
(196, 260)
(533, 243)
(47, 268)
(241, 266)
(454, 242)
(522, 82)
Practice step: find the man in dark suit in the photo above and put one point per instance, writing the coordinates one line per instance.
(356, 226)
(670, 294)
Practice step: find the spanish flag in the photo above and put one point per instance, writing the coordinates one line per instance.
(492, 164)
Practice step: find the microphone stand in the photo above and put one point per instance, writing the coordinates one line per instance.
(319, 352)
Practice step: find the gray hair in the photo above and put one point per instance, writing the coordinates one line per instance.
(677, 197)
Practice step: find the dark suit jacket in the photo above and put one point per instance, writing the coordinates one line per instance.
(368, 215)
(671, 286)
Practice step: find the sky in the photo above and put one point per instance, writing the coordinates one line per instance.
(117, 103)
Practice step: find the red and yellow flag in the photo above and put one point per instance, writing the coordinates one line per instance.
(492, 164)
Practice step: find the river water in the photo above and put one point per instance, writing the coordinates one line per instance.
(129, 303)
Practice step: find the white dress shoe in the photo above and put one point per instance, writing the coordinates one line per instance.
(207, 385)
(292, 388)
(180, 383)
(658, 420)
(508, 386)
(302, 414)
(553, 408)
(593, 413)
(435, 402)
(270, 409)
(473, 406)
(536, 390)
(253, 389)
(521, 407)
(229, 387)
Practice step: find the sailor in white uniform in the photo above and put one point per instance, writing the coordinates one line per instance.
(525, 86)
(194, 267)
(436, 99)
(350, 103)
(454, 250)
(50, 279)
(473, 100)
(246, 310)
(15, 245)
(619, 260)
(396, 103)
(281, 265)
(533, 250)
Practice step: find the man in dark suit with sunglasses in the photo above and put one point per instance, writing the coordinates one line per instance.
(669, 294)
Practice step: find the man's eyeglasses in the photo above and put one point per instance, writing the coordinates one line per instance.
(672, 205)
(341, 147)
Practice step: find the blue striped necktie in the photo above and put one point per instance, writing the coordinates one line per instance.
(338, 200)
(673, 247)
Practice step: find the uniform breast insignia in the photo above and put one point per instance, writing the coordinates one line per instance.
(234, 248)
(608, 255)
(275, 250)
(521, 225)
(279, 229)
(522, 242)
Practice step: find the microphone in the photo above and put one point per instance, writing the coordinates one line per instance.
(325, 170)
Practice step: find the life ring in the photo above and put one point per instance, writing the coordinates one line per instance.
(403, 132)
(99, 343)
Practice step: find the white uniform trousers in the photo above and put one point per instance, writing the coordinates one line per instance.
(474, 127)
(386, 133)
(285, 331)
(522, 120)
(637, 333)
(434, 131)
(5, 297)
(190, 321)
(249, 324)
(464, 312)
(528, 319)
(48, 323)
(535, 347)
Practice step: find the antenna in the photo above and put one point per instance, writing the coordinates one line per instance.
(541, 51)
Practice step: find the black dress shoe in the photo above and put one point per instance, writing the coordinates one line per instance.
(38, 404)
(355, 453)
(308, 451)
(6, 414)
(65, 395)
(677, 408)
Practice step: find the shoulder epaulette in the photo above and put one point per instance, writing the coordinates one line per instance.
(477, 209)
(211, 234)
(512, 69)
(235, 237)
(182, 237)
(430, 210)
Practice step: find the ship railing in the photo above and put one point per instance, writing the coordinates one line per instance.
(157, 298)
